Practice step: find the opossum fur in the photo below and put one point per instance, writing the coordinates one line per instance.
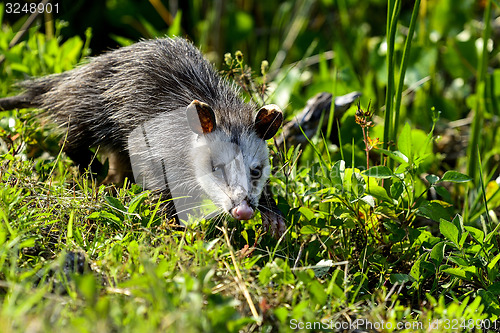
(102, 101)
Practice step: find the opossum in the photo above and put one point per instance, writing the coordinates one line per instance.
(164, 84)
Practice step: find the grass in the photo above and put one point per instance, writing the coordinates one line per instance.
(383, 234)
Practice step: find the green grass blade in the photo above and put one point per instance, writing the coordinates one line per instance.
(404, 64)
(332, 105)
(483, 191)
(475, 134)
(391, 36)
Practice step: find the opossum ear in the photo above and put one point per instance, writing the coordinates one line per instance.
(201, 117)
(268, 121)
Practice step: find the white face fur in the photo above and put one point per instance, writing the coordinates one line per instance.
(230, 172)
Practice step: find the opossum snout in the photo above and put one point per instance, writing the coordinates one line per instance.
(242, 212)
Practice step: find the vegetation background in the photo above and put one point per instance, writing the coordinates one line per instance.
(392, 211)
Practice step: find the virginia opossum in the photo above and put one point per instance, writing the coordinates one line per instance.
(100, 103)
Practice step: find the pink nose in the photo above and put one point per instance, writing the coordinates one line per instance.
(242, 212)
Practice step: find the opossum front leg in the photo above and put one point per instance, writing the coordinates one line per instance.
(84, 159)
(272, 218)
(119, 167)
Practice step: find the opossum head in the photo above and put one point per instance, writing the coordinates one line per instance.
(232, 167)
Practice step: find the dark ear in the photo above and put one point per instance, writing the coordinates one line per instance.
(268, 121)
(201, 117)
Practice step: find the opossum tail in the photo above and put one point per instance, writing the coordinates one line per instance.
(32, 91)
(16, 102)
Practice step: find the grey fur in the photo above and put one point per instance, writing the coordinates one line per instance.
(101, 101)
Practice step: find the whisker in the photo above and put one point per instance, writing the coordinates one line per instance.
(192, 207)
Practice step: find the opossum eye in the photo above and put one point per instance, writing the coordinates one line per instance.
(219, 171)
(256, 172)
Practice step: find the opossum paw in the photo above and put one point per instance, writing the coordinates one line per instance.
(113, 178)
(274, 223)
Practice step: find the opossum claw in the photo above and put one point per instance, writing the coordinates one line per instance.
(273, 222)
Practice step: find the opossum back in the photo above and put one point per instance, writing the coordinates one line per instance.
(102, 101)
